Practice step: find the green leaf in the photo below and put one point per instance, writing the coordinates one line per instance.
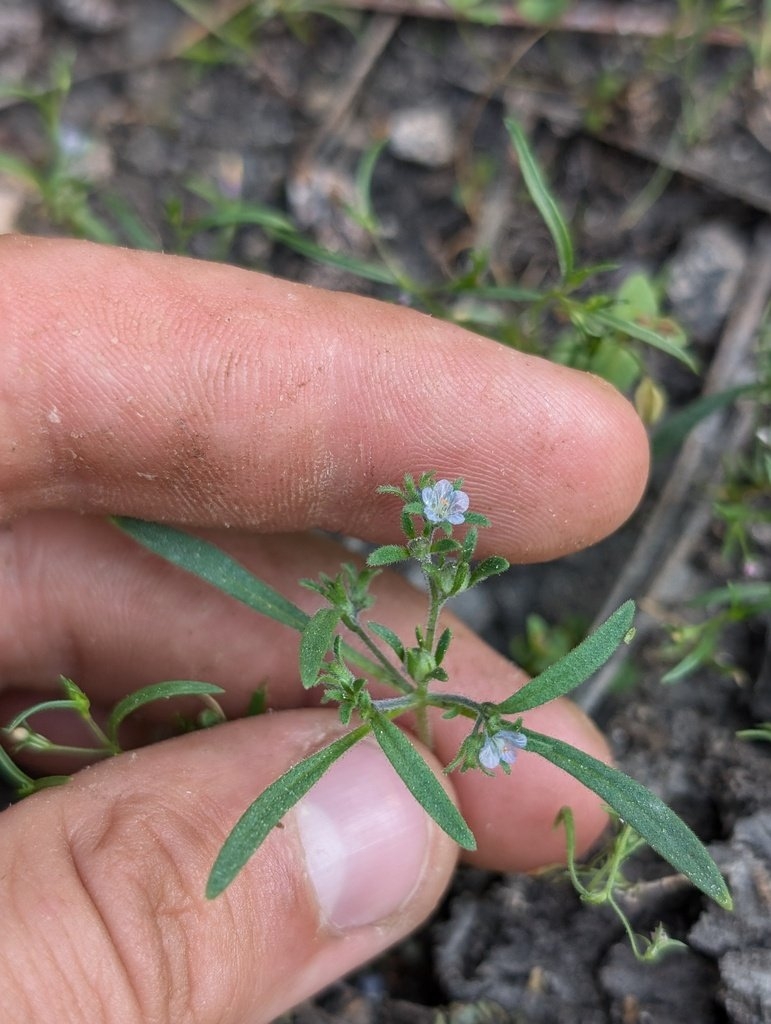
(543, 198)
(492, 566)
(600, 321)
(148, 694)
(269, 808)
(209, 563)
(576, 666)
(421, 781)
(650, 817)
(388, 554)
(316, 641)
(388, 635)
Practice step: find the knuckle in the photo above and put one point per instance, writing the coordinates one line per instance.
(128, 866)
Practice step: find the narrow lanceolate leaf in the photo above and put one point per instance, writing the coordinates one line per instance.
(543, 198)
(315, 642)
(650, 817)
(157, 691)
(388, 635)
(209, 563)
(421, 781)
(576, 666)
(261, 817)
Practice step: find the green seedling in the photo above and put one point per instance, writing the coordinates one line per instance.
(601, 880)
(57, 182)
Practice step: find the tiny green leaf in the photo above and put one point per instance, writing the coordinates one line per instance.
(576, 666)
(650, 817)
(492, 566)
(388, 635)
(543, 199)
(148, 694)
(421, 781)
(315, 642)
(442, 644)
(262, 816)
(388, 554)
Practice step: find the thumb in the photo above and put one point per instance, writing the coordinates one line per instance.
(103, 880)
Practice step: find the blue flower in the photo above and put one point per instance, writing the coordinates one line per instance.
(443, 504)
(503, 746)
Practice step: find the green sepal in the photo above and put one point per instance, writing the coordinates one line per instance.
(575, 667)
(262, 816)
(442, 644)
(315, 642)
(388, 554)
(649, 816)
(470, 543)
(421, 781)
(148, 694)
(462, 579)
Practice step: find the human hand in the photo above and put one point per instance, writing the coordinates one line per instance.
(248, 407)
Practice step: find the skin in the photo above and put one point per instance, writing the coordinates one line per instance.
(252, 410)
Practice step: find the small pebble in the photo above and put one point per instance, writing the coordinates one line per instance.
(423, 135)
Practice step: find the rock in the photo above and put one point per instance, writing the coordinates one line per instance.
(423, 135)
(320, 197)
(703, 276)
(95, 16)
(678, 988)
(759, 117)
(21, 26)
(88, 158)
(747, 979)
(742, 940)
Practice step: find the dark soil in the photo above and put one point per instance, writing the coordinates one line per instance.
(606, 113)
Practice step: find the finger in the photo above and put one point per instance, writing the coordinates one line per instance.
(92, 605)
(177, 390)
(105, 915)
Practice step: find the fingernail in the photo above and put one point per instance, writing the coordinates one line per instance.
(365, 839)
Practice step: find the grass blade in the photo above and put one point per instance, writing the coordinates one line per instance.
(543, 199)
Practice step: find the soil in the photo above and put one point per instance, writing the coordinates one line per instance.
(282, 117)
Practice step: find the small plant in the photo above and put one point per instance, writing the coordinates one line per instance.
(599, 881)
(411, 669)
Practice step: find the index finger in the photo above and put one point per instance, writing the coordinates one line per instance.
(177, 390)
